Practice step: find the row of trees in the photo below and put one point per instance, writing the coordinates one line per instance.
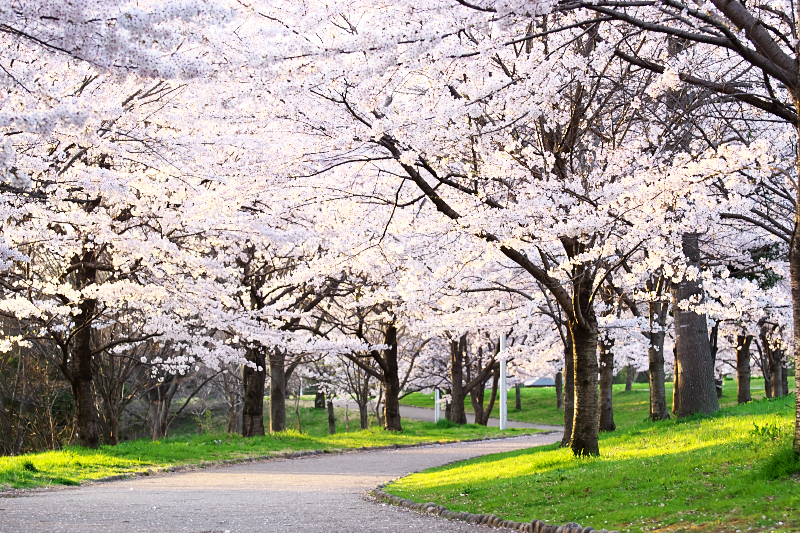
(206, 185)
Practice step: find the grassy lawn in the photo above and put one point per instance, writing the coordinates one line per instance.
(539, 404)
(74, 464)
(726, 473)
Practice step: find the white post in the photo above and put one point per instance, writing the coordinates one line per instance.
(503, 391)
(436, 406)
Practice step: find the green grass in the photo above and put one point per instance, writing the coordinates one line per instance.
(729, 472)
(539, 404)
(74, 464)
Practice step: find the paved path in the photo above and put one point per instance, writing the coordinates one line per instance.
(426, 414)
(314, 494)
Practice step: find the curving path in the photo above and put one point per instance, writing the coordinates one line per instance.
(313, 494)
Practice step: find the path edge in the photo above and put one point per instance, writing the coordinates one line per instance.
(253, 459)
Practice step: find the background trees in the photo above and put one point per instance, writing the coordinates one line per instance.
(184, 198)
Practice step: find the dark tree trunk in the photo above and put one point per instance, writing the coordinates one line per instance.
(518, 398)
(83, 377)
(606, 421)
(363, 413)
(253, 381)
(586, 413)
(776, 372)
(391, 405)
(784, 377)
(476, 398)
(319, 401)
(160, 398)
(655, 356)
(559, 391)
(743, 368)
(447, 406)
(457, 348)
(5, 427)
(569, 391)
(487, 413)
(794, 271)
(331, 419)
(629, 377)
(694, 390)
(277, 391)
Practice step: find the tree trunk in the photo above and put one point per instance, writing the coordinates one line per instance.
(5, 427)
(569, 391)
(584, 422)
(83, 376)
(518, 398)
(457, 348)
(794, 271)
(363, 413)
(447, 406)
(559, 391)
(487, 412)
(655, 356)
(319, 401)
(784, 377)
(775, 371)
(391, 404)
(277, 391)
(629, 377)
(743, 368)
(331, 419)
(606, 420)
(694, 391)
(476, 397)
(253, 381)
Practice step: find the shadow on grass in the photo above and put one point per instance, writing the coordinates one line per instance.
(703, 470)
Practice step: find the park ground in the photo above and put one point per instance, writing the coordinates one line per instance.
(191, 445)
(730, 472)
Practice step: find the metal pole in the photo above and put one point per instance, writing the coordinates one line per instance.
(436, 406)
(503, 391)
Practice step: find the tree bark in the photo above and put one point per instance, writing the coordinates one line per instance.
(655, 356)
(606, 421)
(694, 391)
(585, 420)
(569, 391)
(253, 381)
(629, 377)
(743, 368)
(5, 427)
(457, 349)
(83, 376)
(363, 414)
(487, 412)
(391, 405)
(277, 391)
(319, 400)
(559, 391)
(776, 372)
(331, 418)
(784, 377)
(518, 398)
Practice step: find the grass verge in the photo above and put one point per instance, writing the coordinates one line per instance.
(74, 464)
(731, 472)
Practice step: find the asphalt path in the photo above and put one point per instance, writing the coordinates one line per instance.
(313, 494)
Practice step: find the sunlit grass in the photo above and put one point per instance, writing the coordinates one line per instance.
(539, 404)
(75, 464)
(701, 474)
